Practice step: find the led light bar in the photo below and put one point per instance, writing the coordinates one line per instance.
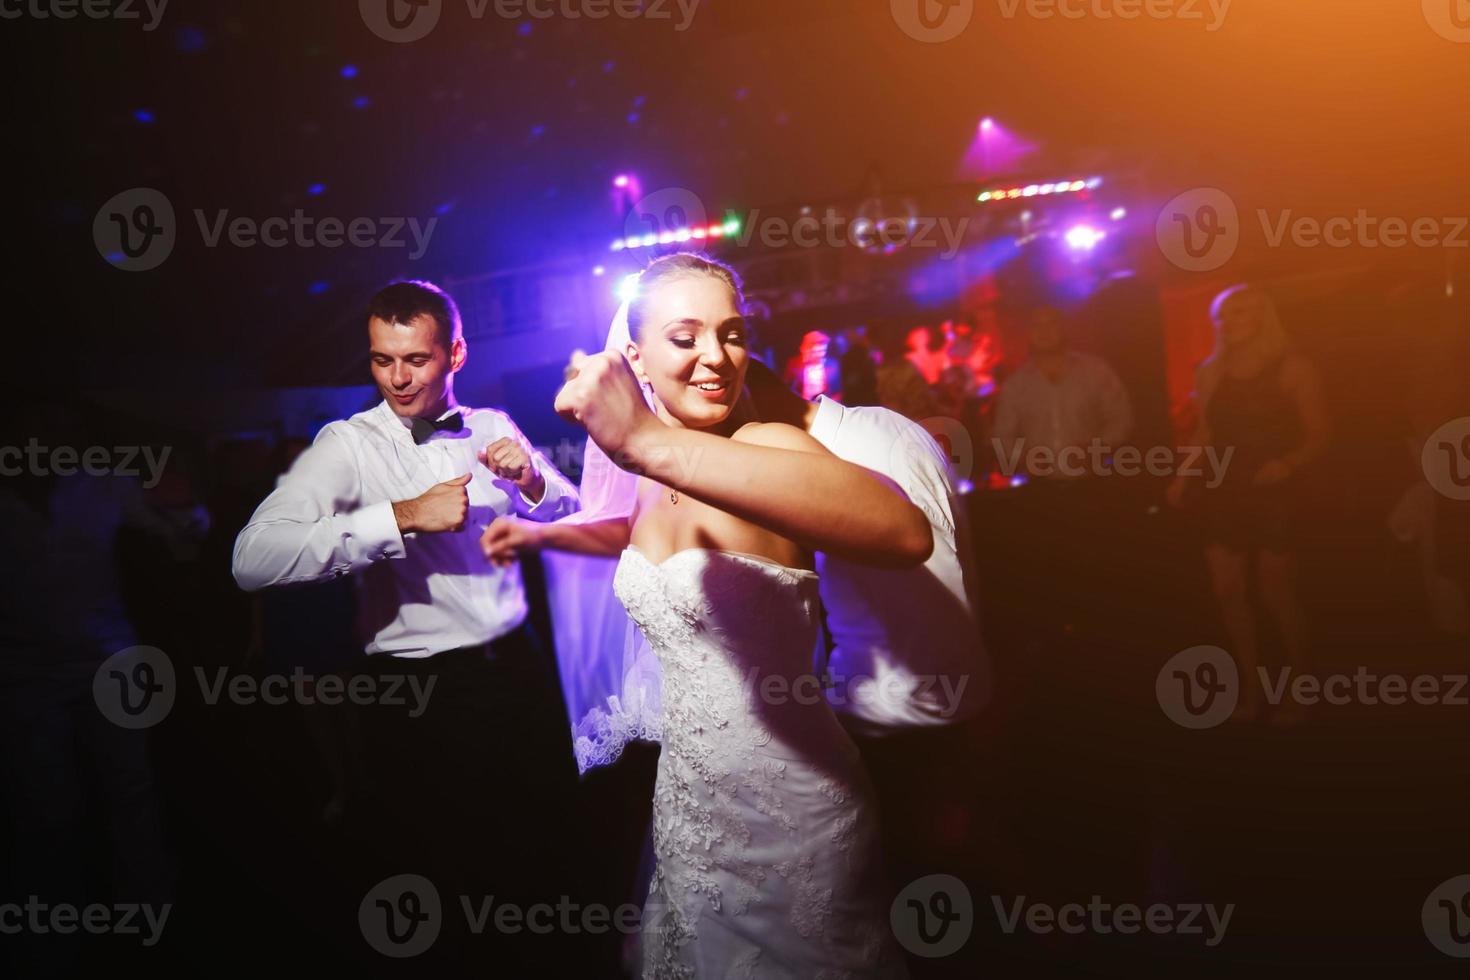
(1039, 190)
(730, 226)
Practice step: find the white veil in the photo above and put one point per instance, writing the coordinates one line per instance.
(609, 674)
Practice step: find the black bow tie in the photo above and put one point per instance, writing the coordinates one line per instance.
(424, 428)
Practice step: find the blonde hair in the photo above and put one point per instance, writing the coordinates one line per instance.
(669, 267)
(1270, 339)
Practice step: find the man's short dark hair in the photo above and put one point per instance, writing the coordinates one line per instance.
(401, 301)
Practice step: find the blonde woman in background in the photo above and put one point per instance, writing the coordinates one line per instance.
(1263, 401)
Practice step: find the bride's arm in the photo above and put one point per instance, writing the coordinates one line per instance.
(779, 477)
(775, 475)
(507, 537)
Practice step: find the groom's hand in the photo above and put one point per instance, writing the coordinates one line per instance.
(510, 459)
(443, 507)
(602, 395)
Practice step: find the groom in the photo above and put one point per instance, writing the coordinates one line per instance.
(470, 786)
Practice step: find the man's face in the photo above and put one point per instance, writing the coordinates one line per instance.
(1047, 333)
(411, 366)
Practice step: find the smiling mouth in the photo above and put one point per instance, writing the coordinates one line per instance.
(405, 398)
(711, 386)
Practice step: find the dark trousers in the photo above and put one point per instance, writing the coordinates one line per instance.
(476, 796)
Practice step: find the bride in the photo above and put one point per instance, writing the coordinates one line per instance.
(764, 829)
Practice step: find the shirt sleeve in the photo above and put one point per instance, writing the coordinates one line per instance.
(558, 500)
(312, 527)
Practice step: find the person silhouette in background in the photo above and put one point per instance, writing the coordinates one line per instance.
(1263, 400)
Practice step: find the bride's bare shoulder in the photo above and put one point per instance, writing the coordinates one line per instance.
(777, 435)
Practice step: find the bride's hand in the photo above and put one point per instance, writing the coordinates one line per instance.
(506, 538)
(602, 395)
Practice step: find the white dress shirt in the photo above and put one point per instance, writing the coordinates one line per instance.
(419, 593)
(1087, 403)
(906, 645)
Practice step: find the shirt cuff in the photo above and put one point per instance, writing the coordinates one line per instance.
(546, 507)
(375, 533)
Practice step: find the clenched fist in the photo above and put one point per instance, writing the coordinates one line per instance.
(443, 507)
(510, 459)
(602, 395)
(506, 538)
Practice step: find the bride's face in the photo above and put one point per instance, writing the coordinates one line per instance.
(692, 349)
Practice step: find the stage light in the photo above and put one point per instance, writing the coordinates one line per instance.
(1119, 214)
(619, 245)
(621, 180)
(987, 124)
(628, 288)
(599, 270)
(984, 196)
(650, 240)
(1032, 190)
(1084, 238)
(698, 233)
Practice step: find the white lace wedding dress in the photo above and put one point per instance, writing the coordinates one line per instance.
(764, 827)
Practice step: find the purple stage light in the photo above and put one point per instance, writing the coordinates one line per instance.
(1084, 238)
